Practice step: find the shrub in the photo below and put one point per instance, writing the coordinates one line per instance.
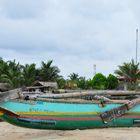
(112, 82)
(99, 81)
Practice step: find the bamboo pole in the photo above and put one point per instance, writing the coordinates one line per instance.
(78, 101)
(91, 93)
(96, 94)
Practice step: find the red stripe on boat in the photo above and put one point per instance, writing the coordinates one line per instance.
(74, 118)
(60, 118)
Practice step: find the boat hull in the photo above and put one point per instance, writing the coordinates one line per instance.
(63, 116)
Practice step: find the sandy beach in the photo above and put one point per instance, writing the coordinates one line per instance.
(10, 132)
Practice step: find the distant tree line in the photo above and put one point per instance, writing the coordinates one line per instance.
(99, 81)
(18, 75)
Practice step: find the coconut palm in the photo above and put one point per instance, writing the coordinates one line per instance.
(14, 66)
(10, 72)
(49, 72)
(3, 66)
(130, 71)
(82, 83)
(13, 78)
(74, 76)
(29, 72)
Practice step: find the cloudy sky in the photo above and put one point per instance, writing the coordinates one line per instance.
(76, 34)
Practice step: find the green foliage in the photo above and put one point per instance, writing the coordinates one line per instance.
(130, 71)
(3, 67)
(29, 74)
(10, 72)
(49, 72)
(61, 83)
(99, 81)
(82, 83)
(112, 82)
(17, 75)
(89, 84)
(14, 66)
(74, 77)
(13, 78)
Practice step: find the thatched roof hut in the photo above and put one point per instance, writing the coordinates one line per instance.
(42, 86)
(52, 85)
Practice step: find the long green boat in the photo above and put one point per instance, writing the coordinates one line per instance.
(43, 113)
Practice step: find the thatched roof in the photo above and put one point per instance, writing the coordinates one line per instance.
(46, 84)
(4, 86)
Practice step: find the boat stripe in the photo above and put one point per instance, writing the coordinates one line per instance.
(67, 113)
(59, 113)
(60, 118)
(73, 118)
(1, 113)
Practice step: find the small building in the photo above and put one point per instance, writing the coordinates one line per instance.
(70, 85)
(122, 83)
(41, 86)
(121, 78)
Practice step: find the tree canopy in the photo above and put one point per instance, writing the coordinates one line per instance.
(130, 71)
(17, 75)
(99, 81)
(112, 82)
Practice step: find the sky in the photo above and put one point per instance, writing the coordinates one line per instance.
(75, 34)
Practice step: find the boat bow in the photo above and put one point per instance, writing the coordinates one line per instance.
(4, 111)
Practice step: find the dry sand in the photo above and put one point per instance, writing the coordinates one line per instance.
(10, 132)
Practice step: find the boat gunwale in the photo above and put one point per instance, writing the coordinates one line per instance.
(33, 101)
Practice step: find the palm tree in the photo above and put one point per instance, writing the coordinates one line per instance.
(130, 71)
(73, 76)
(3, 66)
(82, 83)
(10, 72)
(13, 78)
(49, 72)
(14, 66)
(29, 72)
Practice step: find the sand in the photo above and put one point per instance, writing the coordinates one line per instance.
(10, 132)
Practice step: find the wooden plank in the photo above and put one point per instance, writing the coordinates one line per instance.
(91, 93)
(119, 111)
(72, 95)
(102, 98)
(131, 104)
(114, 113)
(79, 101)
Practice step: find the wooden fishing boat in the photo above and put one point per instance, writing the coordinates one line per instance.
(56, 112)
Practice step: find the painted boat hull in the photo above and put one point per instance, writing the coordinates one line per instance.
(63, 116)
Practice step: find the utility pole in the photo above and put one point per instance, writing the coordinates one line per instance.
(136, 45)
(94, 67)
